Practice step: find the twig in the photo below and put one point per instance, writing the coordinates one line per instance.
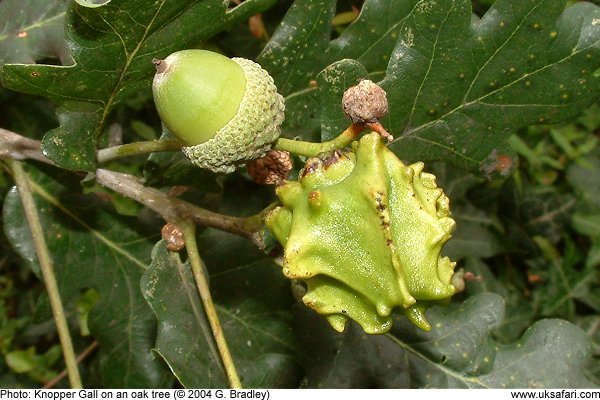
(199, 315)
(17, 147)
(189, 233)
(22, 180)
(86, 352)
(173, 209)
(137, 148)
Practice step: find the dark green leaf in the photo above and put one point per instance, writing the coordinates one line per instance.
(475, 235)
(331, 83)
(525, 363)
(457, 90)
(92, 248)
(470, 87)
(591, 325)
(252, 298)
(295, 53)
(113, 45)
(520, 310)
(585, 180)
(300, 48)
(184, 338)
(563, 282)
(457, 353)
(32, 30)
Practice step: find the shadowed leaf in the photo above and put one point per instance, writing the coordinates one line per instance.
(32, 30)
(456, 89)
(251, 299)
(457, 353)
(112, 45)
(93, 248)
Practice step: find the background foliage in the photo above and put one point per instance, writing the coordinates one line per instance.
(503, 96)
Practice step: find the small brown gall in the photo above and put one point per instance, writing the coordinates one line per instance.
(365, 102)
(173, 235)
(271, 169)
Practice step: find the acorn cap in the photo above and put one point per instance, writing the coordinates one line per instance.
(250, 133)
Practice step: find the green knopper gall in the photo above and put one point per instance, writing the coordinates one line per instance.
(365, 232)
(225, 111)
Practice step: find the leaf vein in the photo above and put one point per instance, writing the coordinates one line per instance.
(433, 56)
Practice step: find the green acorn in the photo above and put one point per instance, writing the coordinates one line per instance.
(225, 111)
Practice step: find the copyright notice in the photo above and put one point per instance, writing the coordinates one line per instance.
(57, 394)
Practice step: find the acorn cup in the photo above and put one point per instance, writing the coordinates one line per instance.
(226, 111)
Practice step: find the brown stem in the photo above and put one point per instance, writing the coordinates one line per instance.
(82, 356)
(15, 146)
(173, 209)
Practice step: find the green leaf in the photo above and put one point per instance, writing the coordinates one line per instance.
(457, 353)
(525, 363)
(587, 224)
(93, 248)
(585, 180)
(113, 44)
(332, 82)
(591, 325)
(32, 30)
(535, 211)
(564, 284)
(251, 297)
(21, 361)
(300, 48)
(301, 45)
(457, 90)
(475, 236)
(38, 366)
(184, 338)
(520, 310)
(296, 50)
(470, 87)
